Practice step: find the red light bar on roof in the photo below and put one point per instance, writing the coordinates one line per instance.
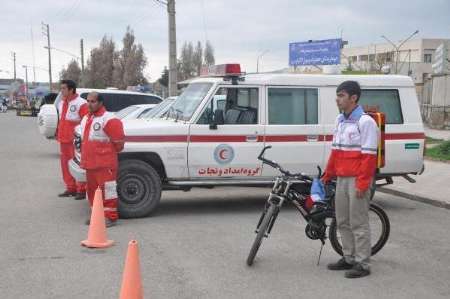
(222, 70)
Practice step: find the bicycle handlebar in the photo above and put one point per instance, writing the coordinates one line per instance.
(278, 166)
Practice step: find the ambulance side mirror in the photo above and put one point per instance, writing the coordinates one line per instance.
(218, 119)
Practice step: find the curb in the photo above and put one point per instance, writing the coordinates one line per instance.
(434, 202)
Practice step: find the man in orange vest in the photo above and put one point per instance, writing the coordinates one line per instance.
(71, 110)
(102, 140)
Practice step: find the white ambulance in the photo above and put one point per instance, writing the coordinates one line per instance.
(220, 123)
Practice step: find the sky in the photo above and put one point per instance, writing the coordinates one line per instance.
(239, 30)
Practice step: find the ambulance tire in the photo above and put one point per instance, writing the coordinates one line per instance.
(139, 189)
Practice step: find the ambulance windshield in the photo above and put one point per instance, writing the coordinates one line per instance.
(188, 101)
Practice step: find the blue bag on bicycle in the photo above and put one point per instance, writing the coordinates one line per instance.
(317, 190)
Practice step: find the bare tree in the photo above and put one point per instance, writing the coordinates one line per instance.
(72, 72)
(187, 61)
(209, 54)
(129, 62)
(164, 79)
(198, 58)
(100, 65)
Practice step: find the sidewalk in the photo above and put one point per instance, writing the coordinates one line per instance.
(437, 134)
(432, 187)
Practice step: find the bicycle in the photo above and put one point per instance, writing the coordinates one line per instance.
(294, 188)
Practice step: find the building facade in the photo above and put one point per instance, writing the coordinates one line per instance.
(414, 58)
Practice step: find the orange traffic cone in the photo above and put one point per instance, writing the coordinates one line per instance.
(131, 281)
(97, 228)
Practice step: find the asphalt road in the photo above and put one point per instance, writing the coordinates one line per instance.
(196, 245)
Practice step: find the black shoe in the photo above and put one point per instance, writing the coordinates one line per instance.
(109, 222)
(80, 196)
(340, 265)
(67, 194)
(357, 271)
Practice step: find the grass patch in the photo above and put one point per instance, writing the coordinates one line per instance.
(431, 140)
(439, 152)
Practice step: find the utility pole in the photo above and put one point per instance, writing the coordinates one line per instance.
(14, 60)
(46, 32)
(26, 80)
(82, 54)
(172, 49)
(34, 57)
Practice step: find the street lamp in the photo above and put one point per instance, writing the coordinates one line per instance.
(397, 48)
(259, 57)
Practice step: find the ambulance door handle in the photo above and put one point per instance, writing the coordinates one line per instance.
(252, 138)
(312, 138)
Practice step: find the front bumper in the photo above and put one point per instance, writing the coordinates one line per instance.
(78, 173)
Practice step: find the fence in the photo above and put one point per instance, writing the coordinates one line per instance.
(436, 116)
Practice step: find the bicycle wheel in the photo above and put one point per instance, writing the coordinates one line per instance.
(379, 230)
(261, 232)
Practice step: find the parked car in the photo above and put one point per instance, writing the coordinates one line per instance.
(134, 111)
(160, 109)
(114, 100)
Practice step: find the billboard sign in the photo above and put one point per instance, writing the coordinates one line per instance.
(320, 52)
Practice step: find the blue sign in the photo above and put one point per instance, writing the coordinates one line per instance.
(320, 52)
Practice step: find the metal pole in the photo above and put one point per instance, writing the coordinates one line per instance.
(409, 62)
(26, 81)
(47, 33)
(172, 49)
(14, 59)
(259, 57)
(34, 58)
(82, 54)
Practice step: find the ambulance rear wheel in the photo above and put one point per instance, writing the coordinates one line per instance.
(139, 189)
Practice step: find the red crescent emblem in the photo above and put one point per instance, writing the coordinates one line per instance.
(222, 154)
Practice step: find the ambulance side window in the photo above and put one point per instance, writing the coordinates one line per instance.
(237, 105)
(293, 106)
(383, 100)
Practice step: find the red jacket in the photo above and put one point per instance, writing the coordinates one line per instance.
(102, 139)
(354, 149)
(71, 110)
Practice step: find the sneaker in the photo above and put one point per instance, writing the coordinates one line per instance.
(67, 194)
(340, 265)
(109, 222)
(357, 271)
(80, 196)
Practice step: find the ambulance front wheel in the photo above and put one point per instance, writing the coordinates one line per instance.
(139, 189)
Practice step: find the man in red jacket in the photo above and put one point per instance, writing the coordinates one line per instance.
(353, 162)
(71, 110)
(102, 138)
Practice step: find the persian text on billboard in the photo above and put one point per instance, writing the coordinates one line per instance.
(322, 52)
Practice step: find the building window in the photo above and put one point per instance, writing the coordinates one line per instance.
(427, 58)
